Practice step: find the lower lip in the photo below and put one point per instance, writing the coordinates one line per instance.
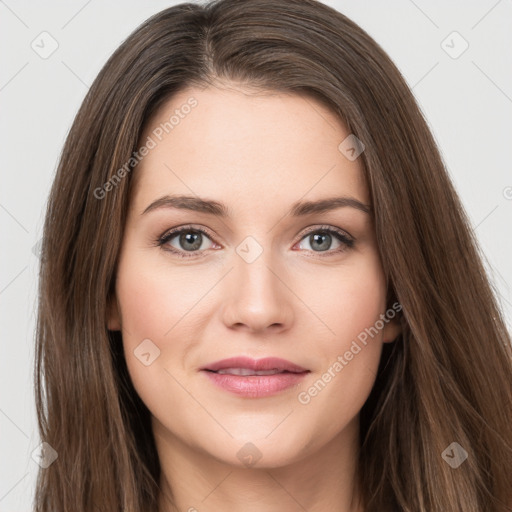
(255, 386)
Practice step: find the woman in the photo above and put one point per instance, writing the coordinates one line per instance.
(259, 289)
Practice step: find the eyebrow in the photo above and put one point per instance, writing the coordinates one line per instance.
(211, 207)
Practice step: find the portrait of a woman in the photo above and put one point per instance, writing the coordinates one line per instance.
(259, 290)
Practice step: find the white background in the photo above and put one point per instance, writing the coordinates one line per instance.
(467, 102)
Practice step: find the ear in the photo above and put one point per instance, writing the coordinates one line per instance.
(391, 330)
(113, 316)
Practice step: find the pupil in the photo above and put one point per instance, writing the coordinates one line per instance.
(321, 237)
(190, 238)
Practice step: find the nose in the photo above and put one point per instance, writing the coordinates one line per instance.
(258, 298)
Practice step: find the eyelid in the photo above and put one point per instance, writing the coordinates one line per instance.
(191, 227)
(326, 227)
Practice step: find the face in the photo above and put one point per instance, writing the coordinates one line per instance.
(267, 278)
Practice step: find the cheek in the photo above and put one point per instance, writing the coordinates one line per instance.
(147, 303)
(359, 308)
(155, 298)
(359, 304)
(351, 349)
(154, 305)
(346, 300)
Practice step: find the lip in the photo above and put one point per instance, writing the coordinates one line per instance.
(266, 363)
(255, 386)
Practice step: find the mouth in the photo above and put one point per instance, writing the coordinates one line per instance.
(246, 366)
(253, 378)
(247, 372)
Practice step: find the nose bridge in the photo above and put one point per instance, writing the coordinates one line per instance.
(252, 268)
(258, 296)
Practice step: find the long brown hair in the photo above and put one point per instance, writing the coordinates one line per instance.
(446, 379)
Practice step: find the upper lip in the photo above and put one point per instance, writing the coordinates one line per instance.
(266, 363)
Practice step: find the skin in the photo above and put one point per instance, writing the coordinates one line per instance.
(258, 154)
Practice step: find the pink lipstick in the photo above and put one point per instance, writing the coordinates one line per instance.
(254, 378)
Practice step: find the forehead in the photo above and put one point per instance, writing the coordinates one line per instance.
(244, 145)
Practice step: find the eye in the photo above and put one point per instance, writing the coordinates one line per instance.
(191, 240)
(320, 239)
(183, 240)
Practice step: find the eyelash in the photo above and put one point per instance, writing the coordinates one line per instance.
(341, 236)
